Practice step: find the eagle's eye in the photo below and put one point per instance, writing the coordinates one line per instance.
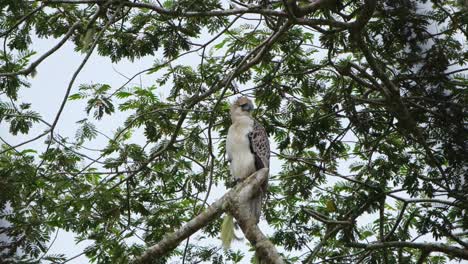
(247, 107)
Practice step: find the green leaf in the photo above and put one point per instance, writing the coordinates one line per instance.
(123, 94)
(75, 96)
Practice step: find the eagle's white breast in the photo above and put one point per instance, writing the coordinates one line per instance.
(238, 148)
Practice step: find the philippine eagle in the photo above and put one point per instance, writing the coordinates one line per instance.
(248, 150)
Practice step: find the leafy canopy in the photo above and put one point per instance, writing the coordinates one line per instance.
(379, 85)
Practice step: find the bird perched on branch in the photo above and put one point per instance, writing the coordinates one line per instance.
(248, 150)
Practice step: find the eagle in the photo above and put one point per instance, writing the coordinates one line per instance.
(248, 150)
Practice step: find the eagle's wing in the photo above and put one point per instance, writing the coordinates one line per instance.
(260, 146)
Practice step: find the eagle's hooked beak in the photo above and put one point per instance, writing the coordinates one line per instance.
(247, 107)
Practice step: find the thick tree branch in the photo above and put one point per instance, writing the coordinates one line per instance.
(250, 9)
(327, 22)
(313, 6)
(365, 15)
(263, 246)
(241, 210)
(239, 193)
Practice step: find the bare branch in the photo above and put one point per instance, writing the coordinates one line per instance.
(25, 142)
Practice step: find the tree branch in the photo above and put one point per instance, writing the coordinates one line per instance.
(75, 75)
(238, 194)
(313, 6)
(241, 210)
(428, 247)
(365, 15)
(45, 55)
(397, 222)
(21, 20)
(256, 9)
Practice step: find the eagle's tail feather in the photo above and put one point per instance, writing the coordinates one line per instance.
(227, 231)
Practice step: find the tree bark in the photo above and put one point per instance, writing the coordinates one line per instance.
(235, 201)
(241, 210)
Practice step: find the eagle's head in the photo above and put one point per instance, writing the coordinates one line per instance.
(241, 107)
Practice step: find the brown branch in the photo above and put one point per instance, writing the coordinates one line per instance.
(240, 208)
(263, 48)
(328, 22)
(346, 256)
(250, 9)
(428, 200)
(240, 192)
(263, 246)
(172, 240)
(313, 6)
